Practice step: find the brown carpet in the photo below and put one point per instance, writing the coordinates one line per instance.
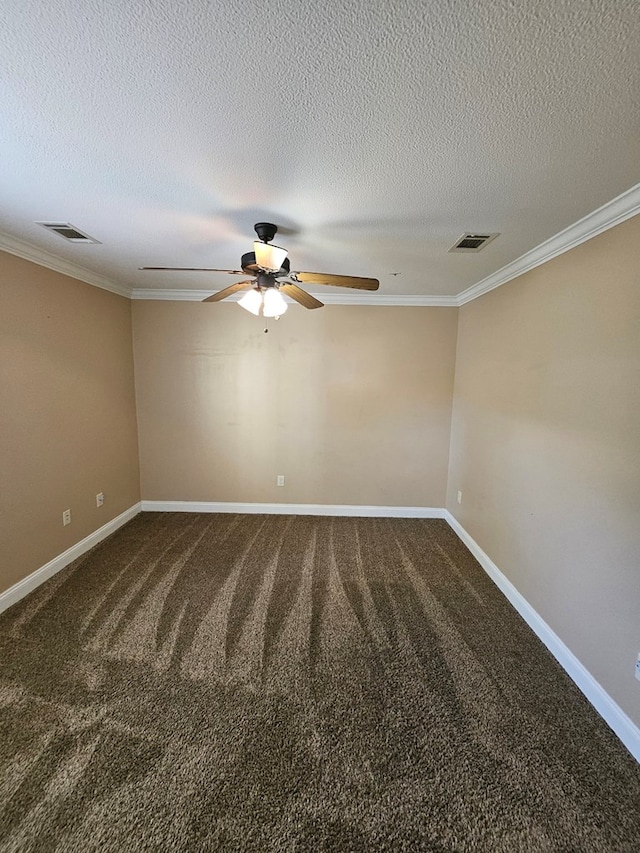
(277, 683)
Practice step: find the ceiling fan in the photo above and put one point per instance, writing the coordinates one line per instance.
(270, 268)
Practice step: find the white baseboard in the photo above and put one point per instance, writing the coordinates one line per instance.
(296, 509)
(26, 585)
(611, 712)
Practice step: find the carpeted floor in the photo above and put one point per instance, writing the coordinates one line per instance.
(278, 683)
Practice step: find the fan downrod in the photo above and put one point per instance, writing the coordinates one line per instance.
(266, 231)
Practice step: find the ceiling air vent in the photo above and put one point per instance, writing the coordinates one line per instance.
(68, 231)
(472, 242)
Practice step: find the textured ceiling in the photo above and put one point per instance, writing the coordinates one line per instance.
(372, 133)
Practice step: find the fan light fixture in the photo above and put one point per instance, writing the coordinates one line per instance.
(269, 257)
(271, 278)
(252, 301)
(272, 303)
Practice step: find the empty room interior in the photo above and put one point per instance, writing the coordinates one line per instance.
(358, 567)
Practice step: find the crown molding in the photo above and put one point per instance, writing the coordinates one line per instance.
(359, 298)
(610, 214)
(14, 246)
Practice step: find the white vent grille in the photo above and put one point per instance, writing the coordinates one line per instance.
(68, 231)
(472, 242)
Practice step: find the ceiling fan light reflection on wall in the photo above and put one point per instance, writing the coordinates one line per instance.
(272, 278)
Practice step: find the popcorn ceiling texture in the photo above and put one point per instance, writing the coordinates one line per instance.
(375, 133)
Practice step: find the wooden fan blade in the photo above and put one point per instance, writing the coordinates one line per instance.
(191, 269)
(337, 280)
(300, 295)
(222, 294)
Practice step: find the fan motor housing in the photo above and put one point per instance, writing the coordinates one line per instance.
(266, 231)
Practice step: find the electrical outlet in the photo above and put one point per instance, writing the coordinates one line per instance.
(459, 497)
(99, 499)
(66, 517)
(638, 667)
(280, 480)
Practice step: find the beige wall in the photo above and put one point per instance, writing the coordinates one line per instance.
(67, 413)
(352, 404)
(546, 446)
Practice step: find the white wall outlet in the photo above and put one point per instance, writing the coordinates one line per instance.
(280, 480)
(66, 517)
(99, 499)
(459, 496)
(638, 667)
